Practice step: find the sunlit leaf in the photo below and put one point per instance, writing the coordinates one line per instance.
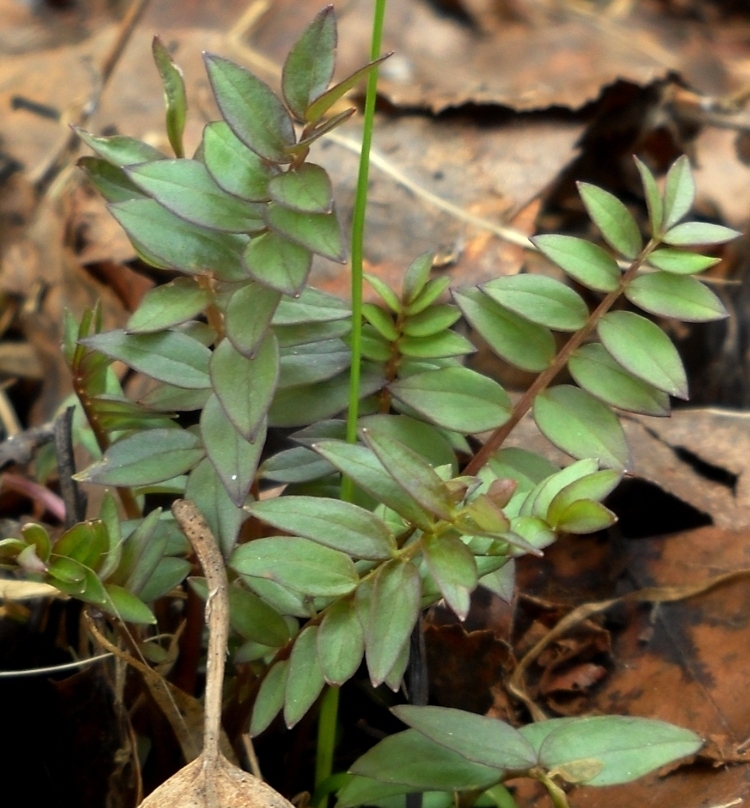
(145, 457)
(455, 398)
(416, 277)
(251, 109)
(380, 320)
(540, 299)
(394, 609)
(333, 523)
(245, 386)
(678, 296)
(642, 348)
(476, 737)
(582, 426)
(384, 291)
(517, 340)
(585, 516)
(653, 197)
(689, 233)
(432, 320)
(447, 343)
(628, 747)
(585, 262)
(299, 564)
(681, 262)
(308, 68)
(679, 191)
(341, 642)
(613, 219)
(234, 167)
(598, 373)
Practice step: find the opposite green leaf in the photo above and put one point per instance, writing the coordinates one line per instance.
(681, 262)
(299, 564)
(582, 426)
(324, 102)
(458, 399)
(585, 262)
(341, 642)
(306, 189)
(312, 306)
(251, 109)
(304, 679)
(236, 169)
(394, 609)
(688, 233)
(333, 523)
(627, 747)
(119, 149)
(598, 373)
(411, 759)
(168, 305)
(477, 738)
(175, 96)
(517, 340)
(615, 221)
(653, 197)
(642, 348)
(127, 606)
(248, 316)
(175, 243)
(678, 296)
(416, 277)
(208, 492)
(111, 182)
(167, 356)
(234, 458)
(144, 458)
(431, 321)
(411, 472)
(245, 387)
(318, 232)
(278, 263)
(362, 465)
(452, 567)
(679, 191)
(308, 68)
(314, 362)
(187, 189)
(542, 300)
(270, 698)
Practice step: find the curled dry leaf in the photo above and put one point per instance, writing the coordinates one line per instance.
(211, 781)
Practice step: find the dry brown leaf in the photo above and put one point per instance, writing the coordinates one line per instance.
(211, 781)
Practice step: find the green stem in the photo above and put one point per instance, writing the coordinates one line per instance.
(329, 707)
(358, 230)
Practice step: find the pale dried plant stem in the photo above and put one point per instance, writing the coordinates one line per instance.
(198, 533)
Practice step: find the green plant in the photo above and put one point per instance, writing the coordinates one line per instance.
(240, 340)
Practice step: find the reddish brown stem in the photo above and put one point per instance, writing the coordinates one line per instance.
(544, 379)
